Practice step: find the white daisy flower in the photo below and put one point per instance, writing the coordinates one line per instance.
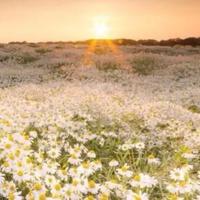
(1, 178)
(92, 187)
(91, 154)
(136, 196)
(177, 174)
(142, 181)
(124, 171)
(152, 160)
(113, 163)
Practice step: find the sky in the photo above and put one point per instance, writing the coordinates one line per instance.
(66, 20)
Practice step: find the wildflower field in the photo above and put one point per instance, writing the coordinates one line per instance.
(99, 123)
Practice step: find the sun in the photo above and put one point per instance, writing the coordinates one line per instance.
(101, 28)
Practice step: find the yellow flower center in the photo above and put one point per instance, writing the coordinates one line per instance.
(173, 197)
(6, 164)
(10, 137)
(20, 173)
(5, 122)
(37, 186)
(42, 196)
(64, 172)
(50, 180)
(85, 165)
(90, 197)
(7, 146)
(11, 196)
(74, 169)
(17, 152)
(77, 149)
(57, 187)
(26, 137)
(30, 196)
(73, 156)
(68, 193)
(28, 160)
(11, 156)
(151, 156)
(91, 184)
(182, 183)
(137, 198)
(75, 182)
(114, 181)
(124, 168)
(97, 162)
(137, 178)
(103, 197)
(19, 164)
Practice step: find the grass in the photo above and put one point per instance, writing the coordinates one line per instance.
(135, 122)
(103, 141)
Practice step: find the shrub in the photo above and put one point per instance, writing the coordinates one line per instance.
(26, 58)
(144, 65)
(43, 51)
(106, 63)
(33, 45)
(2, 45)
(100, 50)
(59, 47)
(194, 109)
(63, 69)
(106, 66)
(4, 58)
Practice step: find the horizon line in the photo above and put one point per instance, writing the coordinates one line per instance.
(97, 39)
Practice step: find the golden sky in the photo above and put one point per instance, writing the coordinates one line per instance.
(55, 20)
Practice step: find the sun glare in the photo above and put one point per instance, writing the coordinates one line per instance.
(101, 28)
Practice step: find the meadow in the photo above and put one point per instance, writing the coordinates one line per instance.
(99, 121)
